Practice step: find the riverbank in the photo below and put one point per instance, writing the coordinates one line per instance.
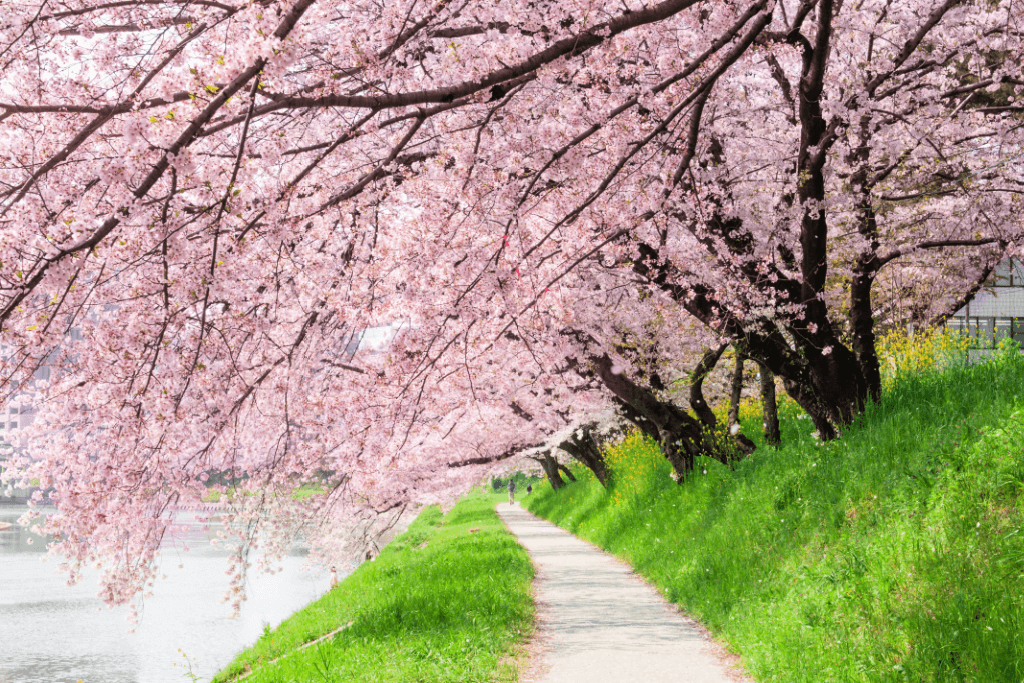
(891, 554)
(448, 600)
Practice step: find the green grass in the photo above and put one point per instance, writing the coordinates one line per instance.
(894, 553)
(438, 604)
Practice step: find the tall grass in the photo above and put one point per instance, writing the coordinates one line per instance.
(934, 350)
(446, 601)
(893, 553)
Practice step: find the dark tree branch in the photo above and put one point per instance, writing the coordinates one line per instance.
(700, 373)
(567, 47)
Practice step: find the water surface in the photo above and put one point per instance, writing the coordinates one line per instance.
(52, 633)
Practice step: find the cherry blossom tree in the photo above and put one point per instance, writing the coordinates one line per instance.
(559, 206)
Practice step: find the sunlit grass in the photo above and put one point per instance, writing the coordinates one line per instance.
(894, 553)
(440, 603)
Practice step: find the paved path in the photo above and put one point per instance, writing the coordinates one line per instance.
(598, 622)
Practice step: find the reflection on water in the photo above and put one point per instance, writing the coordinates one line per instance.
(52, 633)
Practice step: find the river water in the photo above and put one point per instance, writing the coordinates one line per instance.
(52, 633)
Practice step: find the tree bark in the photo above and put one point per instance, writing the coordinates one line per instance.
(550, 467)
(862, 318)
(737, 391)
(583, 447)
(682, 437)
(742, 444)
(700, 373)
(818, 371)
(638, 419)
(566, 471)
(769, 407)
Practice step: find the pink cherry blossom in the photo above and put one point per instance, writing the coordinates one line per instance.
(205, 206)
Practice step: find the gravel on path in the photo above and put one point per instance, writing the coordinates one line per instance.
(598, 622)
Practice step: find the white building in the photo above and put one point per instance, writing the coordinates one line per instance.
(995, 312)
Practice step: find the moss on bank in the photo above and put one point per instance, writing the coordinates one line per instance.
(440, 603)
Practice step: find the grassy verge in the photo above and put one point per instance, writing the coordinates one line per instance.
(446, 601)
(892, 554)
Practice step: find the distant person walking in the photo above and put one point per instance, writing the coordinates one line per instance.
(529, 489)
(511, 492)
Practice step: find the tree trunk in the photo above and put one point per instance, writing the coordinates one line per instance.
(769, 407)
(822, 375)
(583, 447)
(825, 379)
(737, 391)
(743, 445)
(682, 437)
(550, 466)
(837, 391)
(862, 323)
(638, 419)
(700, 373)
(565, 469)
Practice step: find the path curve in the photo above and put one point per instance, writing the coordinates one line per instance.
(598, 622)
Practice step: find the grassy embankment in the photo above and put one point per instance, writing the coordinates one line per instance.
(894, 553)
(439, 604)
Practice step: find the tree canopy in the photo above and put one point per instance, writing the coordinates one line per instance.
(555, 207)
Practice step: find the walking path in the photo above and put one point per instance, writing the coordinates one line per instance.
(600, 623)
